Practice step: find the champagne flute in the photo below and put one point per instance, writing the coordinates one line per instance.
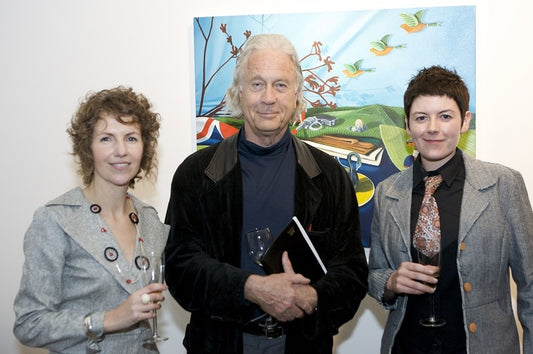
(427, 257)
(153, 271)
(258, 243)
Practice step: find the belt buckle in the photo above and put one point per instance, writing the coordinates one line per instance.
(269, 328)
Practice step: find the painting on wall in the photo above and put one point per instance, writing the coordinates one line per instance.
(356, 66)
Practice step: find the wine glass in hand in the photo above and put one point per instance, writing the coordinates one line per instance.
(153, 272)
(430, 257)
(258, 242)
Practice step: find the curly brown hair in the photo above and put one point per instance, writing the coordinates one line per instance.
(119, 102)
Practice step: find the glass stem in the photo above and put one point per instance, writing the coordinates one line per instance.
(154, 325)
(432, 307)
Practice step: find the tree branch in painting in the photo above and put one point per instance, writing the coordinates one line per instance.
(234, 53)
(315, 87)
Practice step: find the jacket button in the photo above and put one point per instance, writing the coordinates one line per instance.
(472, 327)
(463, 246)
(467, 287)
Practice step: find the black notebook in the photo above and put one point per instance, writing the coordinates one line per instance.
(302, 254)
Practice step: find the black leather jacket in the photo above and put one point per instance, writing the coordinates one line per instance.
(203, 249)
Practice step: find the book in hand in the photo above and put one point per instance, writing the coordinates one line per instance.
(302, 254)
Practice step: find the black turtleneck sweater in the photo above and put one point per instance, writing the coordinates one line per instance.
(268, 189)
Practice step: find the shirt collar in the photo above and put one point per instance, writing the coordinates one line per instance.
(449, 171)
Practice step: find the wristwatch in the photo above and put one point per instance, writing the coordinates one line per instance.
(89, 329)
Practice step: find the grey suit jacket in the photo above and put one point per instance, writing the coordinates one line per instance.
(495, 235)
(70, 270)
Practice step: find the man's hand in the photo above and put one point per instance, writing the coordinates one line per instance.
(285, 296)
(307, 296)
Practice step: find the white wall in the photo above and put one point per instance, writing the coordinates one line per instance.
(52, 52)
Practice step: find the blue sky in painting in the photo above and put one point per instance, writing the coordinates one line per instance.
(346, 38)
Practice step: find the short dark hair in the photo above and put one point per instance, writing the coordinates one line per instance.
(119, 102)
(437, 81)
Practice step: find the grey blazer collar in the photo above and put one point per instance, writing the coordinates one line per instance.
(478, 179)
(81, 225)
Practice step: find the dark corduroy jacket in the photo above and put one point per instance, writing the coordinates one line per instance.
(204, 246)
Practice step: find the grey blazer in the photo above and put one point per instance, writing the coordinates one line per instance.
(70, 270)
(495, 235)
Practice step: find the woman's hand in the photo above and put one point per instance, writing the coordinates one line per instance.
(410, 278)
(134, 309)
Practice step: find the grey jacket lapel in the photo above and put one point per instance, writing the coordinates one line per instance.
(475, 201)
(81, 225)
(400, 191)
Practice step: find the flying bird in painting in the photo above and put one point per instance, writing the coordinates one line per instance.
(382, 47)
(413, 23)
(354, 70)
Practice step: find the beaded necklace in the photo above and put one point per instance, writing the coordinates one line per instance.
(111, 253)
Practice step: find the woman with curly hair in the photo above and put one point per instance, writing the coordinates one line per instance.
(81, 288)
